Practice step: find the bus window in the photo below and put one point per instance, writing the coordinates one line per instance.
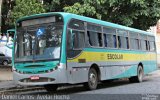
(94, 28)
(93, 38)
(94, 34)
(78, 40)
(123, 39)
(143, 45)
(69, 40)
(76, 24)
(75, 38)
(134, 41)
(143, 41)
(108, 40)
(127, 41)
(134, 44)
(115, 41)
(148, 46)
(152, 45)
(109, 30)
(100, 39)
(119, 42)
(123, 42)
(75, 42)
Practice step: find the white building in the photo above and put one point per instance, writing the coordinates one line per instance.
(156, 31)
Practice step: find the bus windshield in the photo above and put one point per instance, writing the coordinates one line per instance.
(39, 39)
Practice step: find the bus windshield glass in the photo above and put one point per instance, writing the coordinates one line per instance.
(39, 39)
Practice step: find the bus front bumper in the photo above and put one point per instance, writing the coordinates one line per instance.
(58, 76)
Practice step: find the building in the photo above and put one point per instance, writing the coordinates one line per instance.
(156, 31)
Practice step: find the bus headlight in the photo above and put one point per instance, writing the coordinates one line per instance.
(53, 69)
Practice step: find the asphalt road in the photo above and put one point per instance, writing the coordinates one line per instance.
(149, 89)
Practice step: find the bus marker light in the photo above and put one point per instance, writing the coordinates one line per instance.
(34, 77)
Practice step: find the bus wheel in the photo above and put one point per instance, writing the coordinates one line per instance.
(139, 77)
(51, 87)
(92, 80)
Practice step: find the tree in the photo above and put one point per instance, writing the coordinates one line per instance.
(58, 5)
(7, 6)
(139, 14)
(25, 8)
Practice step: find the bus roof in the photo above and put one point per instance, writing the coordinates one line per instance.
(87, 19)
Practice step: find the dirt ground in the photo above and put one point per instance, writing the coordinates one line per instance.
(5, 73)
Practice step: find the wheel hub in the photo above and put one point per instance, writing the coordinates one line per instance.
(92, 79)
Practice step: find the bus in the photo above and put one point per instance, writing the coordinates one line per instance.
(57, 48)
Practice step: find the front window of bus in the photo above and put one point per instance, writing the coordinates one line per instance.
(39, 39)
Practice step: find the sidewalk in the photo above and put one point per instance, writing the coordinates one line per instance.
(155, 73)
(5, 85)
(6, 73)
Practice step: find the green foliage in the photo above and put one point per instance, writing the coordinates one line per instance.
(84, 9)
(25, 8)
(139, 14)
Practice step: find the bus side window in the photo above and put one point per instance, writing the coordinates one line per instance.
(123, 39)
(119, 42)
(100, 39)
(147, 45)
(94, 33)
(123, 42)
(110, 39)
(134, 41)
(152, 45)
(93, 39)
(78, 40)
(88, 39)
(105, 40)
(127, 41)
(143, 45)
(69, 40)
(108, 42)
(115, 41)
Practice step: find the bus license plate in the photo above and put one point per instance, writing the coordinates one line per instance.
(34, 77)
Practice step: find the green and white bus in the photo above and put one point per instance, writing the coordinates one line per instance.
(57, 48)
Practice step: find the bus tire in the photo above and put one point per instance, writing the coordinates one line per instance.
(139, 77)
(51, 87)
(92, 80)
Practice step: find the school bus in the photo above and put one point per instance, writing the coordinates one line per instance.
(57, 48)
